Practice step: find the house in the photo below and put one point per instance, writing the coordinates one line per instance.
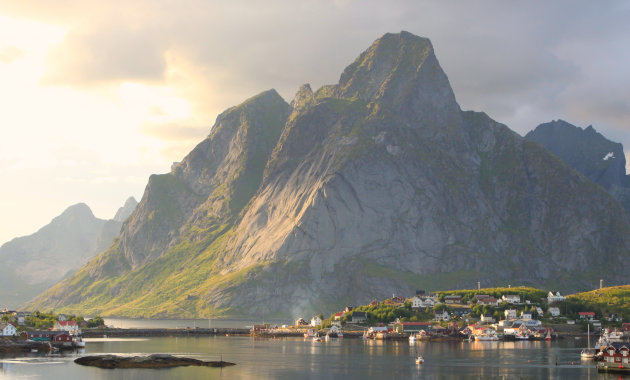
(338, 316)
(616, 353)
(350, 308)
(625, 326)
(411, 327)
(488, 301)
(487, 318)
(613, 318)
(452, 299)
(480, 296)
(301, 322)
(586, 315)
(70, 326)
(416, 302)
(21, 318)
(539, 311)
(55, 337)
(511, 298)
(557, 297)
(554, 311)
(461, 311)
(316, 321)
(7, 329)
(526, 315)
(359, 316)
(442, 316)
(510, 314)
(429, 302)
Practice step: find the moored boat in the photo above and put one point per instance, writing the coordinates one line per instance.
(419, 359)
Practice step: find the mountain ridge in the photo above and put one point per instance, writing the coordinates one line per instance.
(378, 184)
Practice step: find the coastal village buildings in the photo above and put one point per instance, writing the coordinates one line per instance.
(554, 311)
(557, 297)
(70, 326)
(510, 314)
(7, 329)
(511, 298)
(316, 321)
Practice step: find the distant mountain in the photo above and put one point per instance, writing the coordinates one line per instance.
(126, 210)
(31, 264)
(599, 159)
(376, 185)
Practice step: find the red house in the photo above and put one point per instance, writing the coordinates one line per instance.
(586, 314)
(616, 353)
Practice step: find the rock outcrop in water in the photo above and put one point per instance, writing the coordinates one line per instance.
(379, 184)
(146, 361)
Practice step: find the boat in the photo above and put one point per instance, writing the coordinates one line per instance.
(78, 342)
(486, 337)
(548, 336)
(613, 335)
(310, 333)
(588, 353)
(419, 359)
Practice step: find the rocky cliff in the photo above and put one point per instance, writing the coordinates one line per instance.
(379, 184)
(599, 159)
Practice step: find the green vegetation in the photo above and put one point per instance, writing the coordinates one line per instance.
(612, 300)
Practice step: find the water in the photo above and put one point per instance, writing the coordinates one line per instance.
(126, 323)
(299, 358)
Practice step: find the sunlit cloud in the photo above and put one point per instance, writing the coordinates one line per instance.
(8, 54)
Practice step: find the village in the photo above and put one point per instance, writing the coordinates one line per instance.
(41, 331)
(472, 315)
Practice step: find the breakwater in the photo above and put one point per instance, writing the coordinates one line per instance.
(163, 332)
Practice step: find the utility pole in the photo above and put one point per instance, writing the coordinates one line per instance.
(601, 283)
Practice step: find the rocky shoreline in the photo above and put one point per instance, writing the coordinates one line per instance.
(14, 345)
(146, 361)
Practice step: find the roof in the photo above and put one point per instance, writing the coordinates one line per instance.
(359, 314)
(67, 323)
(586, 313)
(416, 323)
(339, 314)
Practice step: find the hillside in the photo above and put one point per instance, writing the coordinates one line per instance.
(376, 185)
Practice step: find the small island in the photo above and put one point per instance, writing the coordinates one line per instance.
(146, 361)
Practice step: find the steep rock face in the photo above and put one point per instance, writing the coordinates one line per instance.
(379, 184)
(599, 159)
(207, 188)
(33, 263)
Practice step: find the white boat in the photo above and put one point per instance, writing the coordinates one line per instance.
(419, 359)
(588, 353)
(78, 342)
(613, 336)
(486, 337)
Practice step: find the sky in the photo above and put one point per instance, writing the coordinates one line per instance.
(95, 96)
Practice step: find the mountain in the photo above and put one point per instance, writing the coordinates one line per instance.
(33, 263)
(599, 159)
(123, 213)
(376, 185)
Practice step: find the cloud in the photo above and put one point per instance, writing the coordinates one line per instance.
(8, 54)
(105, 54)
(175, 131)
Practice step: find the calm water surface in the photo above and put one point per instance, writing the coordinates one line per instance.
(299, 358)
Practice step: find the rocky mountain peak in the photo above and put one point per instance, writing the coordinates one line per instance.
(123, 212)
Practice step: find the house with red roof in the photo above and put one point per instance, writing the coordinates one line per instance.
(71, 327)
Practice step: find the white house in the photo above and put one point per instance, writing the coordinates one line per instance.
(511, 298)
(70, 326)
(555, 297)
(510, 314)
(526, 315)
(7, 329)
(416, 302)
(539, 311)
(443, 316)
(487, 318)
(316, 321)
(554, 311)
